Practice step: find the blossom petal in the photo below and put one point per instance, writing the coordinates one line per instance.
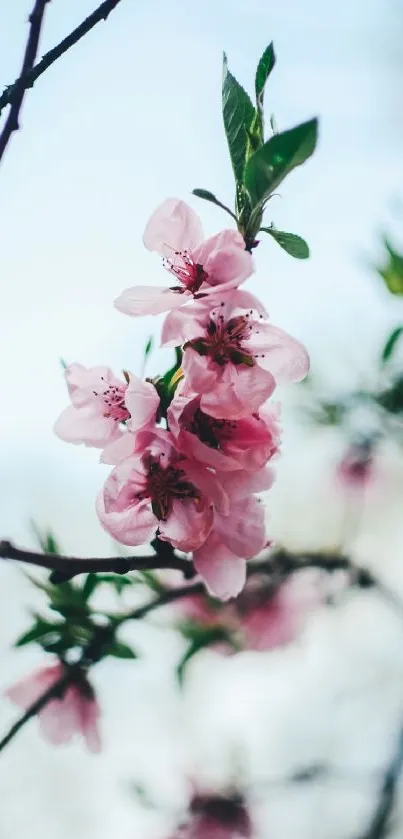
(241, 483)
(239, 391)
(243, 530)
(183, 324)
(187, 525)
(223, 572)
(142, 402)
(119, 449)
(85, 425)
(134, 526)
(280, 353)
(149, 300)
(30, 688)
(174, 226)
(224, 259)
(200, 375)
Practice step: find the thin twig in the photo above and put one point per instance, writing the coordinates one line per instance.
(29, 77)
(55, 690)
(31, 49)
(380, 822)
(89, 654)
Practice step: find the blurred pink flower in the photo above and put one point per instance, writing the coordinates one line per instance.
(104, 409)
(199, 267)
(76, 711)
(215, 817)
(269, 622)
(224, 444)
(356, 468)
(232, 356)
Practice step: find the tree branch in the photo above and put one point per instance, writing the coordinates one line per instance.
(66, 567)
(379, 827)
(278, 565)
(29, 75)
(31, 49)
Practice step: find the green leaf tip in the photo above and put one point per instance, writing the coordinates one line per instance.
(391, 343)
(268, 167)
(239, 116)
(209, 196)
(263, 71)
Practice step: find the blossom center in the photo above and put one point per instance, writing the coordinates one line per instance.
(113, 402)
(163, 484)
(190, 274)
(224, 340)
(210, 431)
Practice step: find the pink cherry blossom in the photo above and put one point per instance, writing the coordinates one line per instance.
(225, 444)
(76, 711)
(199, 267)
(233, 357)
(215, 817)
(272, 621)
(160, 488)
(104, 409)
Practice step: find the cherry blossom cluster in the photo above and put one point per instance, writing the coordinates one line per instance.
(189, 457)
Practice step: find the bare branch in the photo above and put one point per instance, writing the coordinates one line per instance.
(380, 823)
(29, 76)
(31, 49)
(66, 567)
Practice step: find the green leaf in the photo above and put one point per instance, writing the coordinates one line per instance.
(118, 649)
(206, 194)
(46, 541)
(148, 347)
(209, 196)
(118, 581)
(294, 245)
(41, 631)
(263, 71)
(392, 271)
(238, 115)
(150, 580)
(268, 167)
(201, 637)
(391, 343)
(89, 586)
(392, 398)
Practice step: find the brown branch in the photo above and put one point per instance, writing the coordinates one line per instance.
(31, 49)
(278, 566)
(66, 567)
(29, 76)
(380, 822)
